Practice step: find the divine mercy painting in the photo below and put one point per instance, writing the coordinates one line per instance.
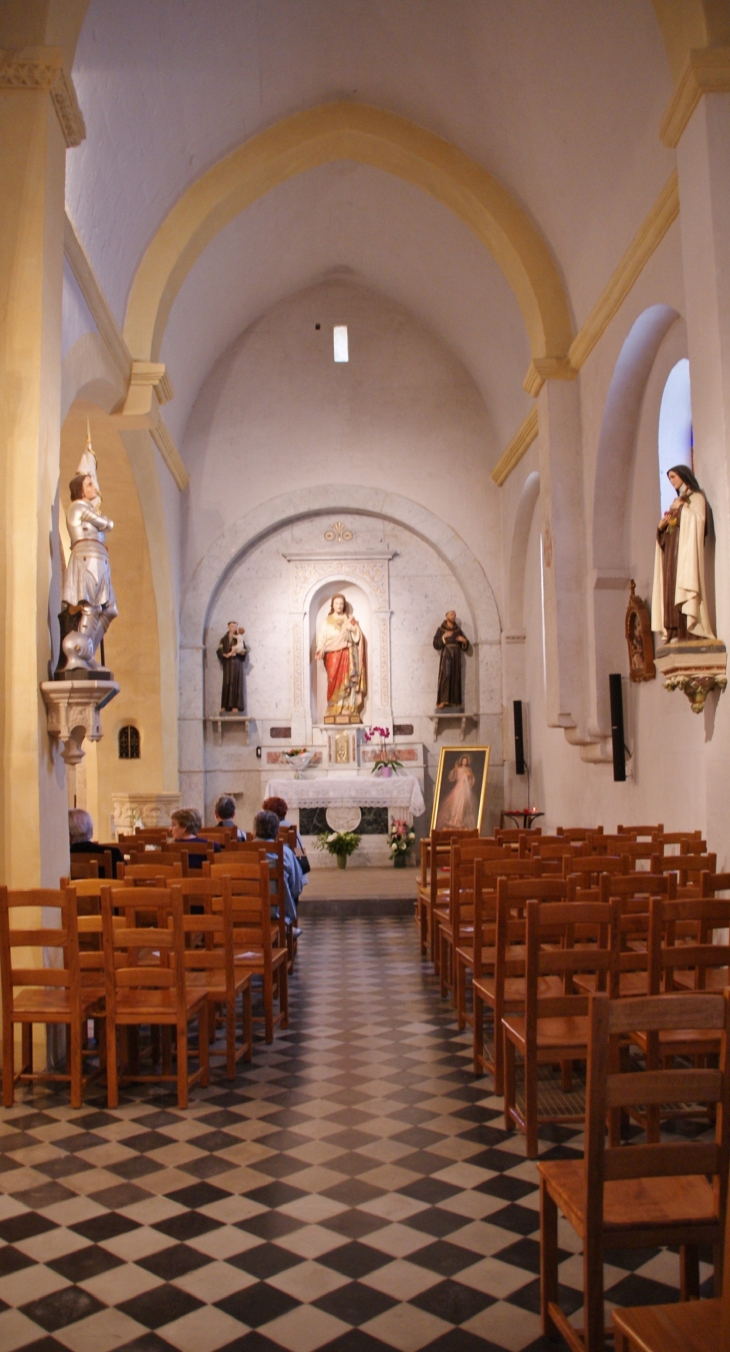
(458, 802)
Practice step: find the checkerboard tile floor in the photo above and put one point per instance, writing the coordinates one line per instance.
(354, 1190)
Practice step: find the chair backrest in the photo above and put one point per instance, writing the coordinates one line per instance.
(289, 835)
(82, 867)
(88, 893)
(144, 874)
(215, 928)
(712, 883)
(154, 835)
(250, 882)
(637, 831)
(552, 929)
(199, 890)
(578, 832)
(162, 947)
(548, 848)
(513, 895)
(23, 931)
(690, 842)
(609, 1091)
(142, 906)
(591, 866)
(670, 952)
(688, 867)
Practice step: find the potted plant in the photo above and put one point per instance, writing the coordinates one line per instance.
(384, 764)
(339, 843)
(400, 838)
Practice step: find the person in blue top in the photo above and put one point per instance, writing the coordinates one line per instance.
(266, 827)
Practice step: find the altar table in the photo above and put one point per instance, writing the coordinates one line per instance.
(399, 793)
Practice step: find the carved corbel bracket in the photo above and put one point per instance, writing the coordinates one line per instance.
(74, 712)
(149, 388)
(695, 668)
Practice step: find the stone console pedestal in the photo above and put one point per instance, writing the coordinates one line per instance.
(74, 709)
(695, 668)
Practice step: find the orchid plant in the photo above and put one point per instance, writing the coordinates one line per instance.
(383, 760)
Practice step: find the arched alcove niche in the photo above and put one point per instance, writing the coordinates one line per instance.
(249, 573)
(513, 638)
(613, 558)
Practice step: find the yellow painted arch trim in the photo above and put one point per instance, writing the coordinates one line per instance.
(349, 131)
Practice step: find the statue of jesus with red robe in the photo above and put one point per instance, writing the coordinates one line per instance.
(341, 645)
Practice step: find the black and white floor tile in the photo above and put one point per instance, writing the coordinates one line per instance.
(353, 1191)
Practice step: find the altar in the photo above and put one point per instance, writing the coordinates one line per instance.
(367, 804)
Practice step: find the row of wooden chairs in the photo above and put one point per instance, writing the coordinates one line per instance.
(159, 955)
(552, 947)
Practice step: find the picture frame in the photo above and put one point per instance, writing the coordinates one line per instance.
(458, 800)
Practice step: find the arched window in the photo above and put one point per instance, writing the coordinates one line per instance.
(675, 428)
(129, 743)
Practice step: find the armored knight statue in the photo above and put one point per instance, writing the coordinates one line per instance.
(89, 603)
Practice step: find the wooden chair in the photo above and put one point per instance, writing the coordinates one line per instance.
(554, 1028)
(456, 922)
(41, 995)
(210, 966)
(435, 863)
(633, 891)
(151, 992)
(637, 1195)
(478, 959)
(505, 990)
(257, 952)
(686, 1326)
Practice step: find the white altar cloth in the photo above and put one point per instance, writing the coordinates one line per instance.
(401, 792)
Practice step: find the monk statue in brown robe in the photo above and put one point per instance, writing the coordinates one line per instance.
(450, 642)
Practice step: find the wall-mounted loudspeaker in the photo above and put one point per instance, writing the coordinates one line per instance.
(519, 738)
(617, 727)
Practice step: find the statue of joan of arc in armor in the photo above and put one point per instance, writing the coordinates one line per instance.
(89, 603)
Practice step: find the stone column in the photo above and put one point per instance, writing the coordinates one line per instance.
(563, 552)
(33, 832)
(703, 158)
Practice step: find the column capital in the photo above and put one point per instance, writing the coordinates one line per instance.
(707, 72)
(41, 68)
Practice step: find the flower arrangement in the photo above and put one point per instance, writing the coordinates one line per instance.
(340, 843)
(400, 838)
(383, 761)
(298, 759)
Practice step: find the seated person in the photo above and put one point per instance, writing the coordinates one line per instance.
(80, 832)
(186, 823)
(266, 827)
(225, 812)
(278, 806)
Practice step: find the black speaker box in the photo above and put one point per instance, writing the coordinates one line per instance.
(617, 727)
(519, 738)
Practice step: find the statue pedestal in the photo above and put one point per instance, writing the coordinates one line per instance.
(695, 667)
(74, 712)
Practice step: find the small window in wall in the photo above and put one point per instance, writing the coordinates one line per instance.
(675, 428)
(340, 336)
(129, 743)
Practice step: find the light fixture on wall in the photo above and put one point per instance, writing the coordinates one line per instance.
(340, 340)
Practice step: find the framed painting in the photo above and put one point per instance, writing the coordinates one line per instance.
(461, 786)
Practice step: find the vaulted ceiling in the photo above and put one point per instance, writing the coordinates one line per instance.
(560, 102)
